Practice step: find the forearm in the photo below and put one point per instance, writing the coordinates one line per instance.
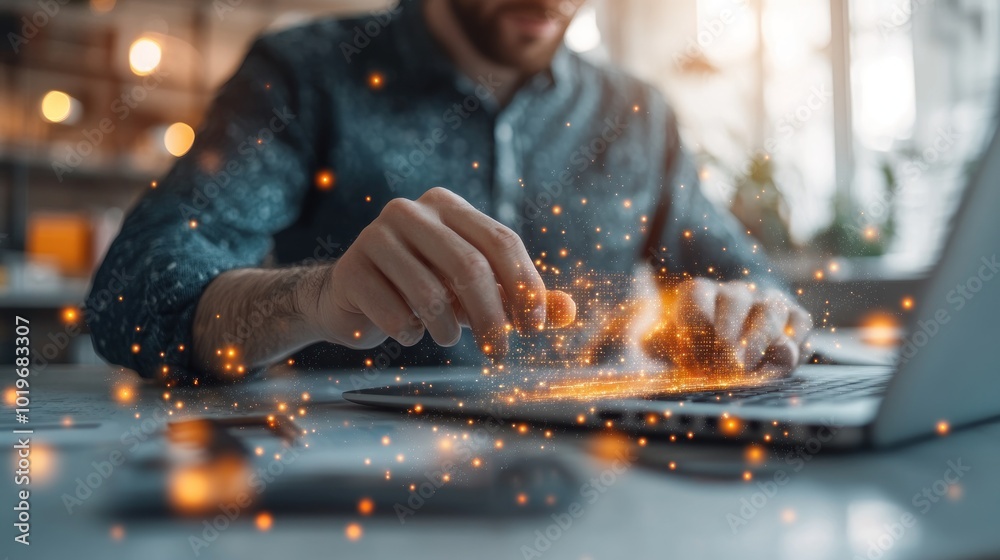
(250, 318)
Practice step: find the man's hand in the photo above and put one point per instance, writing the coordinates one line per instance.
(436, 263)
(708, 327)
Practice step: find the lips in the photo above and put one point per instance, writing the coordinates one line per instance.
(533, 23)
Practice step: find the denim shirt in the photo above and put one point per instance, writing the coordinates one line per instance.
(323, 124)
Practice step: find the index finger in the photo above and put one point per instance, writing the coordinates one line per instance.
(510, 262)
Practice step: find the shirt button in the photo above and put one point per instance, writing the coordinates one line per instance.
(504, 132)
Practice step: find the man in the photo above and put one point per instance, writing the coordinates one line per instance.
(420, 172)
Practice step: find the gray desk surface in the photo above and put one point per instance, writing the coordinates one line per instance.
(832, 506)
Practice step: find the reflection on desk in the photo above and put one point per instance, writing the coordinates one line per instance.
(365, 483)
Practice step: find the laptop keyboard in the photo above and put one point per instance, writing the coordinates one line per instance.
(789, 392)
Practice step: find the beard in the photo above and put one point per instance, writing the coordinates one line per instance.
(508, 46)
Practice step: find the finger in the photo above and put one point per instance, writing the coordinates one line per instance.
(379, 301)
(765, 323)
(560, 310)
(732, 307)
(799, 325)
(694, 337)
(781, 356)
(694, 303)
(467, 271)
(506, 254)
(424, 292)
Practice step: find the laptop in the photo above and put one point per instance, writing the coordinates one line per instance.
(946, 375)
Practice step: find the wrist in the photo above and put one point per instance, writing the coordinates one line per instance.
(312, 295)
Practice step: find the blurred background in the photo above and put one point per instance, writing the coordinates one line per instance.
(839, 131)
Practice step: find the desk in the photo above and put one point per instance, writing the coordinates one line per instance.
(832, 506)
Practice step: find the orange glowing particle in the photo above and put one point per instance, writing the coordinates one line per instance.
(375, 80)
(124, 394)
(687, 233)
(907, 303)
(730, 426)
(477, 462)
(498, 444)
(943, 428)
(673, 465)
(747, 475)
(818, 275)
(369, 362)
(627, 203)
(153, 184)
(325, 180)
(135, 348)
(69, 315)
(522, 499)
(117, 532)
(386, 440)
(357, 334)
(418, 408)
(557, 210)
(353, 532)
(193, 224)
(366, 506)
(475, 165)
(487, 348)
(263, 521)
(581, 419)
(642, 442)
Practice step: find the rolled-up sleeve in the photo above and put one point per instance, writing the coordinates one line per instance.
(243, 180)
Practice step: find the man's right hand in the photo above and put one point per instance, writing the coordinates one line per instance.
(436, 263)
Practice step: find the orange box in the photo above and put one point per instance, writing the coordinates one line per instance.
(62, 239)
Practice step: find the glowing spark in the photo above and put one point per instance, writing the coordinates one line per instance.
(943, 428)
(366, 506)
(263, 521)
(353, 532)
